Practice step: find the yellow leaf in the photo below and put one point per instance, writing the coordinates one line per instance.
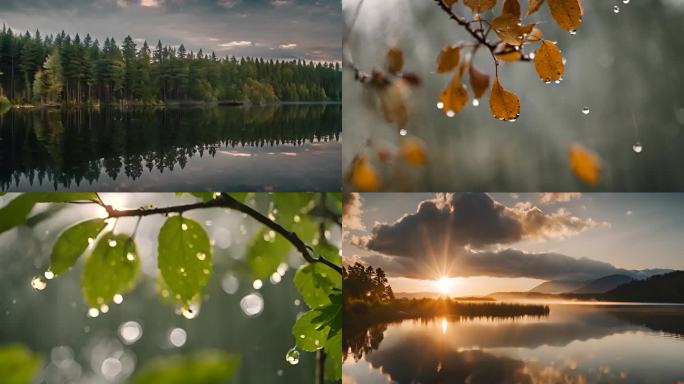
(413, 151)
(449, 3)
(511, 8)
(567, 13)
(507, 52)
(448, 58)
(584, 164)
(508, 29)
(393, 99)
(549, 62)
(479, 81)
(363, 175)
(395, 60)
(454, 97)
(533, 6)
(479, 6)
(535, 35)
(505, 105)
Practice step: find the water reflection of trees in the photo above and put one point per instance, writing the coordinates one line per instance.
(77, 146)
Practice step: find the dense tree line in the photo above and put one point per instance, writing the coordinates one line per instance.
(62, 69)
(366, 284)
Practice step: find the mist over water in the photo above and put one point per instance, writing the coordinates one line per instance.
(622, 97)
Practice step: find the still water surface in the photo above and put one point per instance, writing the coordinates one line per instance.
(280, 148)
(574, 344)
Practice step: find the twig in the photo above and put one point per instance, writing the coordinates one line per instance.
(227, 201)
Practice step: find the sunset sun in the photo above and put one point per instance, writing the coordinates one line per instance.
(443, 285)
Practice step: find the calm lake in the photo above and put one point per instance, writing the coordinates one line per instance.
(574, 344)
(279, 148)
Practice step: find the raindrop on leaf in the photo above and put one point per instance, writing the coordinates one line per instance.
(112, 243)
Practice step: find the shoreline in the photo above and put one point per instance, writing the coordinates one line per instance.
(174, 104)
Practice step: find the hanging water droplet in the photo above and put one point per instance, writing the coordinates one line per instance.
(476, 102)
(558, 81)
(573, 32)
(585, 110)
(130, 332)
(130, 256)
(93, 312)
(625, 1)
(201, 256)
(38, 283)
(616, 9)
(112, 243)
(257, 284)
(532, 55)
(403, 132)
(190, 311)
(184, 227)
(292, 356)
(547, 82)
(178, 337)
(637, 147)
(440, 105)
(450, 113)
(49, 274)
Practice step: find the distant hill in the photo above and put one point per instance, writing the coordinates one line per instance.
(667, 288)
(604, 284)
(596, 286)
(558, 286)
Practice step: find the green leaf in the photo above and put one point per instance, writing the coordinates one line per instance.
(331, 315)
(239, 196)
(309, 336)
(264, 256)
(184, 257)
(72, 243)
(14, 213)
(18, 365)
(206, 367)
(316, 282)
(328, 252)
(111, 269)
(64, 197)
(204, 196)
(292, 213)
(333, 361)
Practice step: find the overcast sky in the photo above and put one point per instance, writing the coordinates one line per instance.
(308, 29)
(496, 242)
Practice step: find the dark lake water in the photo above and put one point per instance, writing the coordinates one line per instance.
(574, 344)
(280, 148)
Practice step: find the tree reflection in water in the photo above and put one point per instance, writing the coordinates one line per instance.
(579, 344)
(64, 148)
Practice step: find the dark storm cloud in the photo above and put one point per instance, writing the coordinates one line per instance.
(305, 29)
(456, 235)
(470, 219)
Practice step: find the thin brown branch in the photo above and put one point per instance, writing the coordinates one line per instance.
(227, 201)
(465, 24)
